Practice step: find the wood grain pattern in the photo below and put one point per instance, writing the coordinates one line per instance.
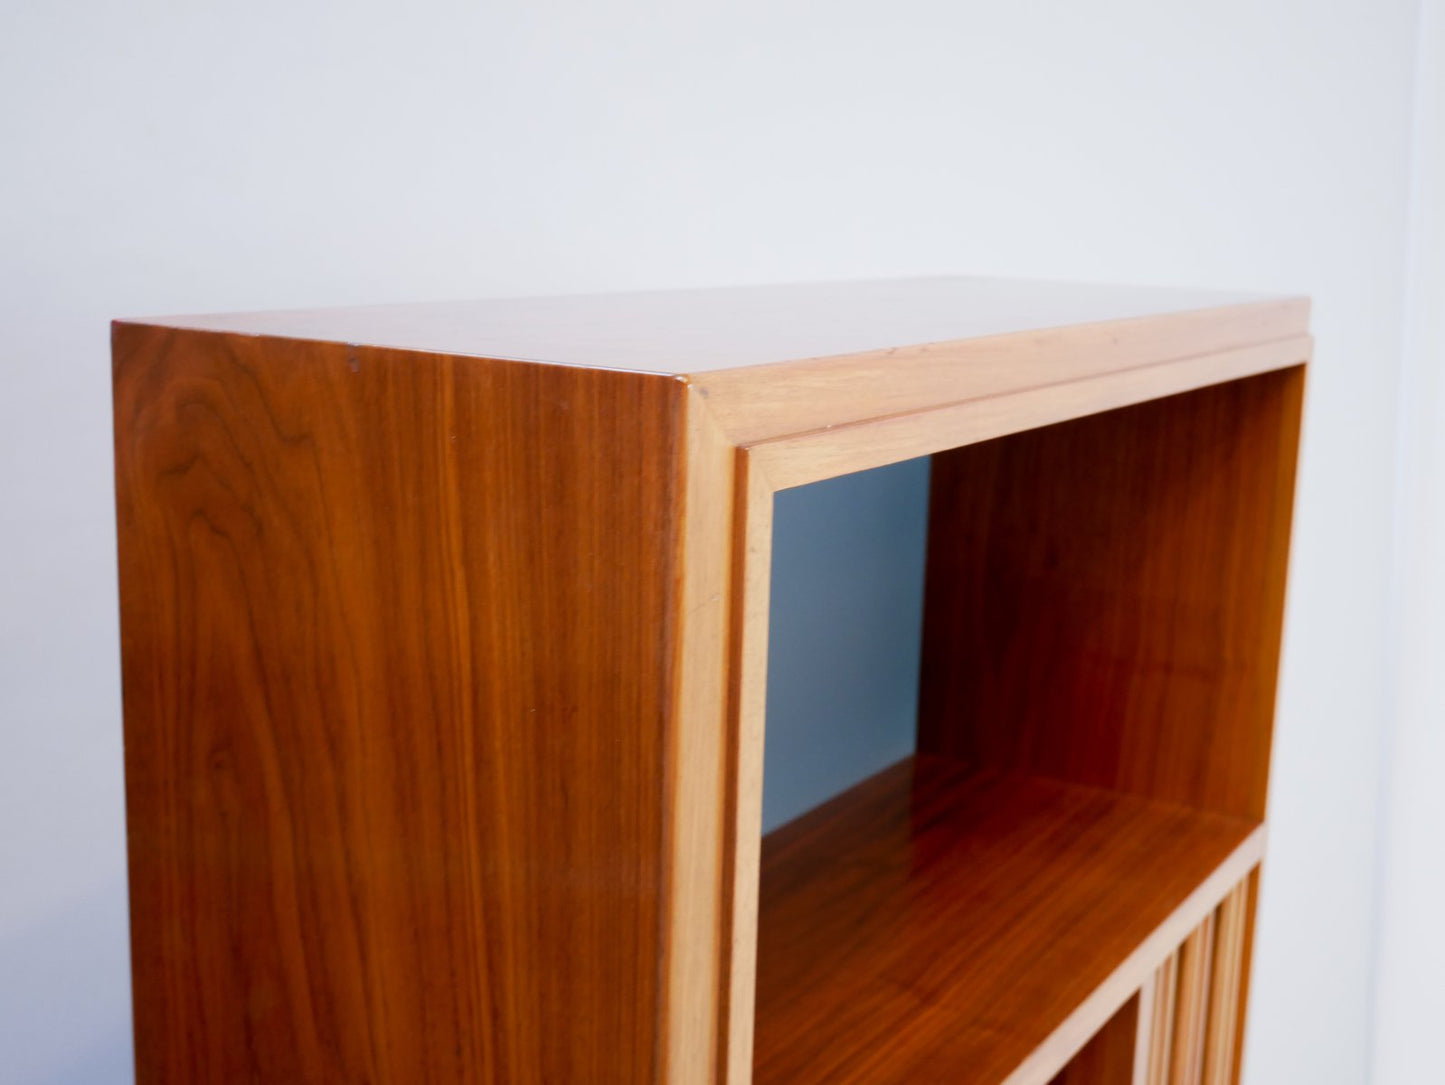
(751, 580)
(445, 654)
(1165, 984)
(1191, 1011)
(396, 802)
(780, 362)
(1226, 978)
(838, 449)
(791, 399)
(1190, 1029)
(1241, 1009)
(697, 918)
(939, 924)
(1105, 595)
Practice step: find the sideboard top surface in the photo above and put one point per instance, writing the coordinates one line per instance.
(809, 361)
(701, 331)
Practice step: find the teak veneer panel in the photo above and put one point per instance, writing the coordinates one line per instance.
(398, 800)
(936, 923)
(445, 630)
(1105, 595)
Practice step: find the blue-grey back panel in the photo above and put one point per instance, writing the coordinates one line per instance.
(845, 632)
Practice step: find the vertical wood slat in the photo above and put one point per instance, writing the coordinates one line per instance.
(1241, 1009)
(1191, 1011)
(747, 704)
(1196, 957)
(1224, 995)
(699, 759)
(1181, 1028)
(1161, 1021)
(1144, 1031)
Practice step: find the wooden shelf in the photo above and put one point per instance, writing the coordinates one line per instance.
(937, 923)
(445, 657)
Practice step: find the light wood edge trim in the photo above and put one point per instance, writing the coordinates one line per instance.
(769, 400)
(1224, 987)
(1149, 995)
(752, 574)
(697, 796)
(1191, 1016)
(1241, 1010)
(1089, 1016)
(1161, 1022)
(810, 457)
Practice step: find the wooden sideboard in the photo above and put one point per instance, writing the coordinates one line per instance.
(445, 650)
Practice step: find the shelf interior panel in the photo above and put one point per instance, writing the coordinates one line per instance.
(938, 923)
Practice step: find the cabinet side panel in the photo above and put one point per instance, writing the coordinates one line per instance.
(398, 660)
(1105, 595)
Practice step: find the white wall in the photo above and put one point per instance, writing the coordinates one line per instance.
(164, 157)
(1410, 998)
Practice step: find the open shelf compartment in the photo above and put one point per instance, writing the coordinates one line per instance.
(937, 923)
(1101, 612)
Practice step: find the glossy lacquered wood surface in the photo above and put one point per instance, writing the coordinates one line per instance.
(1105, 595)
(398, 787)
(941, 924)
